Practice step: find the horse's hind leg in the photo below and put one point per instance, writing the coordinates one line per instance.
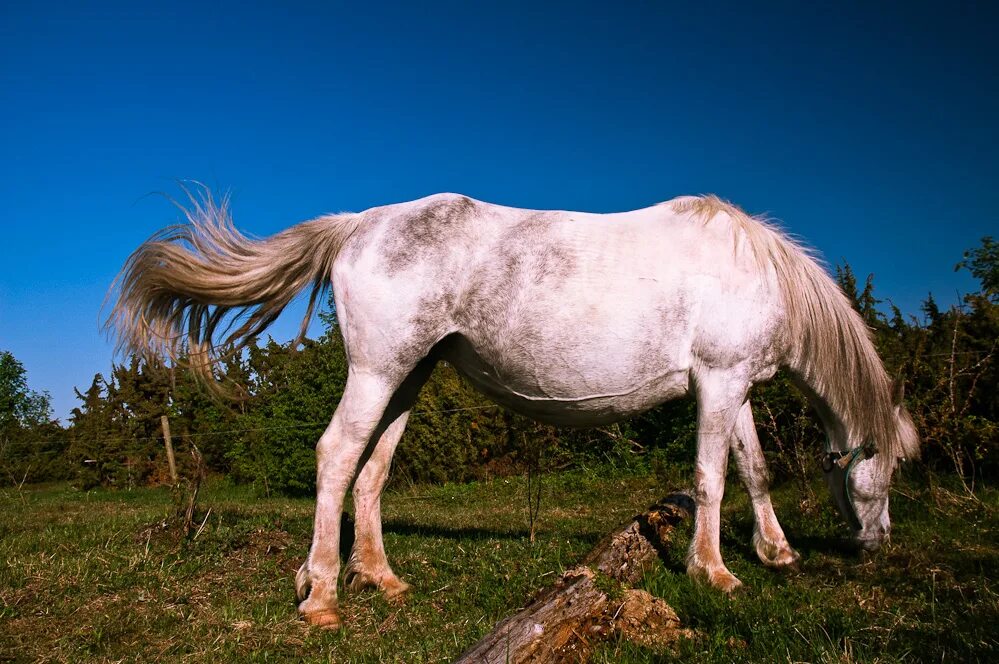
(368, 565)
(768, 537)
(358, 419)
(720, 394)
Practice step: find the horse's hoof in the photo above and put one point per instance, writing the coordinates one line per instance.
(724, 581)
(391, 586)
(778, 557)
(395, 590)
(719, 577)
(788, 560)
(324, 618)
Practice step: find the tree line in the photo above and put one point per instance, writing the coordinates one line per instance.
(947, 360)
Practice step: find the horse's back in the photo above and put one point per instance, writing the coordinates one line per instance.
(559, 312)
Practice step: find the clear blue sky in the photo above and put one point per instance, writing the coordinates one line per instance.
(870, 132)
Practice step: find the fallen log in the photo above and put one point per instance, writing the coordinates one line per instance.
(588, 604)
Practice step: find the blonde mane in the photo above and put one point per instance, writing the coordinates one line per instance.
(829, 344)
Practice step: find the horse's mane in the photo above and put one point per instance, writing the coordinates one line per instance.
(829, 344)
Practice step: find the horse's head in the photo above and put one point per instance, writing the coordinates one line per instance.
(860, 477)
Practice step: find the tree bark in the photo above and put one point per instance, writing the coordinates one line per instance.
(564, 622)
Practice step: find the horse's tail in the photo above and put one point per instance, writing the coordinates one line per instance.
(829, 344)
(198, 287)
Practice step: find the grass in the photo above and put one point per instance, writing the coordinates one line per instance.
(93, 576)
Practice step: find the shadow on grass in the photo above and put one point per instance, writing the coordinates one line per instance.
(449, 532)
(408, 528)
(828, 545)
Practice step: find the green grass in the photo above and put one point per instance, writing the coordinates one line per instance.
(91, 576)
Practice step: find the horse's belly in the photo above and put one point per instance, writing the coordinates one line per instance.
(565, 391)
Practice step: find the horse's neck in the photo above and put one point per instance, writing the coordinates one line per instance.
(836, 428)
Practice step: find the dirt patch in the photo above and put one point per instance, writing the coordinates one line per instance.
(648, 621)
(268, 542)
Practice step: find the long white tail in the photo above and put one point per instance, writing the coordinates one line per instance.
(201, 286)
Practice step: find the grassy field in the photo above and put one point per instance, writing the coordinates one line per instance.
(94, 576)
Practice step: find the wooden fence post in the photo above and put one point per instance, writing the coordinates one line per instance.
(169, 448)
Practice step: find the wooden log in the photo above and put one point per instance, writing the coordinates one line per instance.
(165, 423)
(563, 623)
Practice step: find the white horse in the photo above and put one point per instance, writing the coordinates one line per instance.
(569, 317)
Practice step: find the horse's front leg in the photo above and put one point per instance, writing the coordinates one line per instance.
(719, 397)
(768, 537)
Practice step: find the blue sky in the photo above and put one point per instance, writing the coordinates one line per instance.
(870, 132)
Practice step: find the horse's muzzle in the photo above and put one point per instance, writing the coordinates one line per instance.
(872, 543)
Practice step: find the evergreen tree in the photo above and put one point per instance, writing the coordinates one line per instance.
(847, 282)
(31, 448)
(867, 304)
(94, 436)
(983, 263)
